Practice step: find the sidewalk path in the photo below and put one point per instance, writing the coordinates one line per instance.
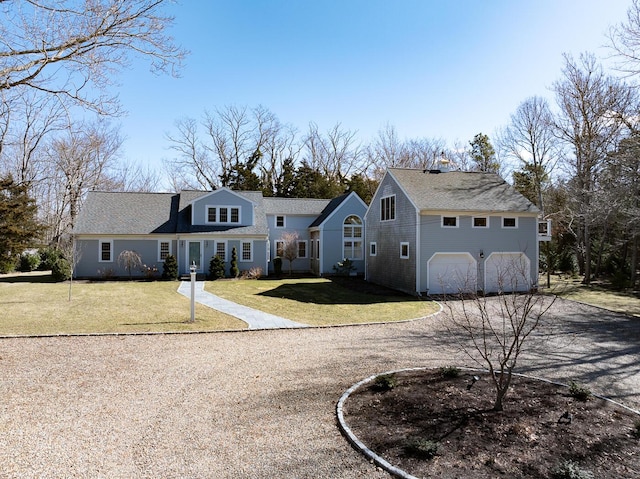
(254, 318)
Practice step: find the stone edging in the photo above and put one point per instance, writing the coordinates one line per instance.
(379, 461)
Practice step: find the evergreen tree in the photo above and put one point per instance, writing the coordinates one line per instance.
(365, 187)
(483, 154)
(311, 183)
(235, 272)
(19, 227)
(216, 268)
(170, 268)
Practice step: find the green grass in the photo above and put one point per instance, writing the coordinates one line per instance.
(32, 304)
(595, 294)
(320, 301)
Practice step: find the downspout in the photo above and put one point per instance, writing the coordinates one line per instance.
(418, 268)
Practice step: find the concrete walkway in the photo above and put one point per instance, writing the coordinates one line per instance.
(254, 318)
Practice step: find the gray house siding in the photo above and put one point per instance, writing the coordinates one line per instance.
(293, 224)
(495, 239)
(332, 234)
(222, 198)
(386, 267)
(89, 264)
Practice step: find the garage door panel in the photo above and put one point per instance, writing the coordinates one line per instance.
(507, 272)
(452, 273)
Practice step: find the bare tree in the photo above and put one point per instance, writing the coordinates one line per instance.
(493, 330)
(335, 154)
(130, 261)
(624, 40)
(289, 248)
(71, 49)
(86, 159)
(593, 109)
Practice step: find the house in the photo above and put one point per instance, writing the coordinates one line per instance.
(442, 232)
(194, 226)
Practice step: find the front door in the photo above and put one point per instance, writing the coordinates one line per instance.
(195, 254)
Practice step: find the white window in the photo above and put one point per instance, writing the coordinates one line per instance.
(223, 214)
(212, 214)
(280, 223)
(247, 251)
(279, 248)
(352, 237)
(404, 250)
(373, 249)
(318, 248)
(449, 221)
(388, 208)
(313, 249)
(480, 222)
(164, 250)
(105, 251)
(302, 249)
(509, 222)
(221, 250)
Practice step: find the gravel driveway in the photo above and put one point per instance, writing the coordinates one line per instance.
(256, 404)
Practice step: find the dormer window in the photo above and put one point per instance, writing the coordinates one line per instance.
(223, 214)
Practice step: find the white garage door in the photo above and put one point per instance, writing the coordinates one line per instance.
(507, 272)
(452, 273)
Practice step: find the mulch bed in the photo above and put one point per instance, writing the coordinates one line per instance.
(541, 428)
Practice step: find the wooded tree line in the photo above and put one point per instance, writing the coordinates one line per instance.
(576, 157)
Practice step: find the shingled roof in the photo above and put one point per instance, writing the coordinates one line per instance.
(461, 191)
(294, 206)
(116, 213)
(122, 213)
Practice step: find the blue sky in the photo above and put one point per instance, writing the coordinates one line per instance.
(438, 69)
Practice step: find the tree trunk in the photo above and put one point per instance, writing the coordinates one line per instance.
(634, 261)
(587, 255)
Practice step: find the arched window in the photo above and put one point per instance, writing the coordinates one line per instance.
(352, 238)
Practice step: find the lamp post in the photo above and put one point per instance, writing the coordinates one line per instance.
(192, 269)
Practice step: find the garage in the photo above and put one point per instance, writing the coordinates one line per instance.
(507, 272)
(452, 273)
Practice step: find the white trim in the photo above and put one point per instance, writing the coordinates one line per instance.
(241, 255)
(219, 209)
(457, 218)
(474, 262)
(111, 252)
(284, 221)
(527, 264)
(215, 251)
(187, 241)
(394, 208)
(275, 250)
(402, 244)
(306, 251)
(473, 219)
(160, 241)
(509, 227)
(375, 248)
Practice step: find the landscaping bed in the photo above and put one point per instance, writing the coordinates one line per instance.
(433, 425)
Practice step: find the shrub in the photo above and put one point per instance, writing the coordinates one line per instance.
(385, 382)
(48, 256)
(170, 268)
(234, 263)
(344, 268)
(130, 261)
(578, 391)
(421, 448)
(149, 272)
(277, 265)
(7, 264)
(29, 262)
(216, 268)
(253, 273)
(61, 269)
(449, 372)
(570, 470)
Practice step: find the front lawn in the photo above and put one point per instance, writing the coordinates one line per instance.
(596, 294)
(32, 304)
(320, 301)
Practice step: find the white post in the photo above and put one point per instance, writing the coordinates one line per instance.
(192, 268)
